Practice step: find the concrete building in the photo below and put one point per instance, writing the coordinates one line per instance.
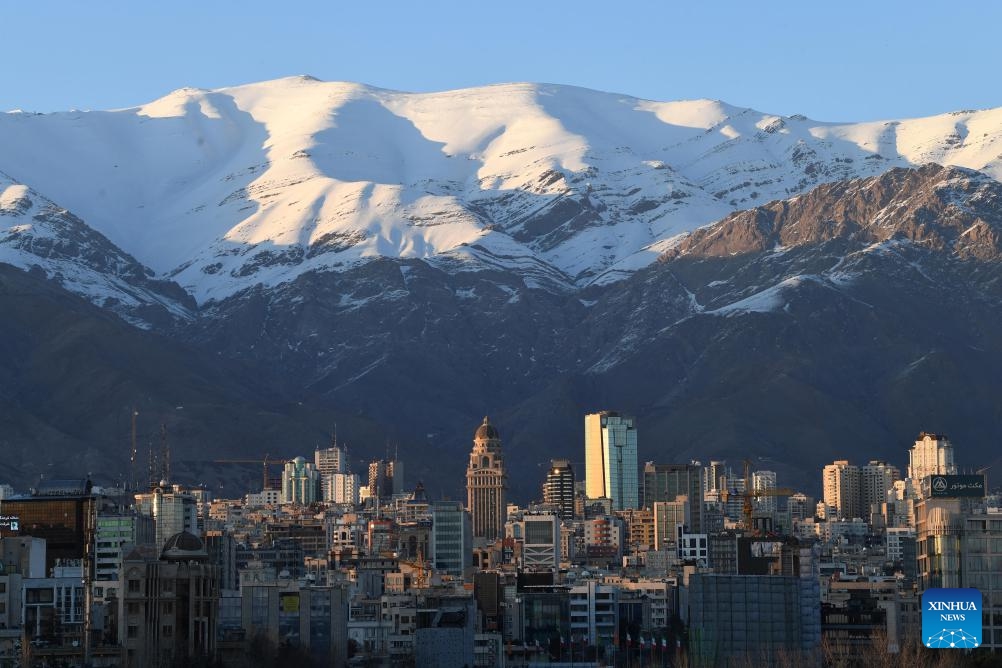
(112, 532)
(386, 478)
(540, 542)
(342, 488)
(300, 482)
(446, 633)
(594, 612)
(558, 490)
(667, 516)
(486, 484)
(667, 482)
(764, 480)
(328, 461)
(611, 469)
(841, 487)
(313, 618)
(168, 608)
(877, 478)
(932, 454)
(172, 511)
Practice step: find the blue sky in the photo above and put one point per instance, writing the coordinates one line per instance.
(832, 61)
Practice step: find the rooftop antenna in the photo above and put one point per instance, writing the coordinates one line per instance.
(133, 482)
(165, 452)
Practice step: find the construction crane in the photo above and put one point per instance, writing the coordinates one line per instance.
(750, 494)
(266, 482)
(421, 569)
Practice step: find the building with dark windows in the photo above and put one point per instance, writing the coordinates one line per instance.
(485, 484)
(168, 608)
(59, 511)
(558, 490)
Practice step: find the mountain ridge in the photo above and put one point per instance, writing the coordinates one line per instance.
(219, 190)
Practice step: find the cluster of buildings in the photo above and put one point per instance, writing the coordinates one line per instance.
(634, 564)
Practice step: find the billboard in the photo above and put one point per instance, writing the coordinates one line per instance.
(953, 486)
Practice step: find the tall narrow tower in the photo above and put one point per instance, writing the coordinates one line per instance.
(485, 483)
(611, 459)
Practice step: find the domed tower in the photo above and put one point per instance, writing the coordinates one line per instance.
(485, 483)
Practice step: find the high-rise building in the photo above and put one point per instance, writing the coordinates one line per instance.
(451, 545)
(840, 483)
(932, 454)
(386, 478)
(172, 510)
(558, 490)
(611, 459)
(666, 482)
(876, 479)
(485, 483)
(763, 480)
(712, 475)
(342, 488)
(328, 461)
(300, 482)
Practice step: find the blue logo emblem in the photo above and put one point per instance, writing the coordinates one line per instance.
(951, 618)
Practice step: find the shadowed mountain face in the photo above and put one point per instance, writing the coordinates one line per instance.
(837, 324)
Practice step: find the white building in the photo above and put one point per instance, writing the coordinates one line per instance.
(594, 612)
(342, 488)
(841, 486)
(932, 454)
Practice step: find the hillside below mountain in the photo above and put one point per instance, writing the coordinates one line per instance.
(834, 324)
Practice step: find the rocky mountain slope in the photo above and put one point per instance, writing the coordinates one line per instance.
(403, 264)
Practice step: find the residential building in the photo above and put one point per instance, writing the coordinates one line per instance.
(841, 487)
(594, 612)
(168, 608)
(311, 617)
(300, 482)
(932, 454)
(667, 482)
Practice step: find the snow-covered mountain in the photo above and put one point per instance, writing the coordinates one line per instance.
(256, 185)
(36, 234)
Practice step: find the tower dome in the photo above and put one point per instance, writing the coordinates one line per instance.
(184, 546)
(486, 431)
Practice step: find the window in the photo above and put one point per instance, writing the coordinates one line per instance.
(133, 631)
(132, 608)
(133, 586)
(168, 630)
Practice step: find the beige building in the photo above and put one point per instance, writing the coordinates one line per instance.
(932, 454)
(841, 485)
(486, 483)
